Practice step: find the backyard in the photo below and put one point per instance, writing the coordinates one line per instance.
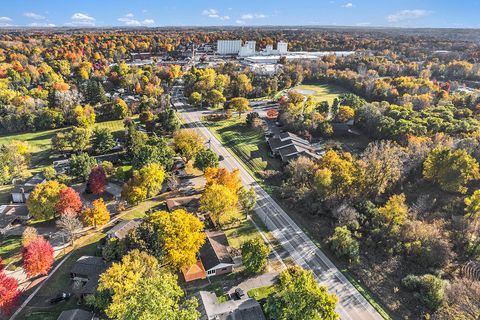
(320, 92)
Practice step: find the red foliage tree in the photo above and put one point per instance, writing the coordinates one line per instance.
(97, 181)
(2, 265)
(37, 257)
(69, 202)
(9, 293)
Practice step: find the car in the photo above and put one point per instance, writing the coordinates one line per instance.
(239, 293)
(221, 158)
(60, 297)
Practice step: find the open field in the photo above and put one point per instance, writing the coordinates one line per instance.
(40, 142)
(320, 92)
(10, 248)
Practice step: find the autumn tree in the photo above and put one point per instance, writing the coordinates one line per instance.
(97, 181)
(120, 109)
(69, 202)
(247, 199)
(255, 255)
(393, 214)
(240, 105)
(14, 160)
(242, 85)
(222, 176)
(84, 116)
(43, 199)
(71, 225)
(28, 235)
(195, 99)
(146, 182)
(37, 257)
(173, 238)
(344, 114)
(97, 215)
(220, 202)
(452, 170)
(206, 158)
(188, 143)
(429, 289)
(299, 297)
(9, 293)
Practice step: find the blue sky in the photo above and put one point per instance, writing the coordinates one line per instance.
(395, 13)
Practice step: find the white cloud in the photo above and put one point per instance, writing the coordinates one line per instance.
(405, 15)
(40, 24)
(129, 21)
(148, 22)
(129, 15)
(363, 24)
(5, 19)
(33, 15)
(82, 17)
(348, 5)
(239, 21)
(212, 13)
(250, 16)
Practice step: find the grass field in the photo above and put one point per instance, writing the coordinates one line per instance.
(249, 145)
(10, 248)
(40, 142)
(320, 92)
(244, 232)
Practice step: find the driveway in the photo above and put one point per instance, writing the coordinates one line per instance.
(263, 280)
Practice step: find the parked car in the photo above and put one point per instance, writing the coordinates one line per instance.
(221, 158)
(60, 297)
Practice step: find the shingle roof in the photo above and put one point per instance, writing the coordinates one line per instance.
(188, 202)
(215, 250)
(121, 230)
(8, 214)
(244, 309)
(75, 314)
(89, 266)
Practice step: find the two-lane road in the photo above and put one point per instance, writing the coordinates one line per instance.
(352, 305)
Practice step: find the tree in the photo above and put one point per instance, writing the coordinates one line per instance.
(247, 199)
(188, 143)
(14, 160)
(452, 170)
(155, 150)
(195, 99)
(28, 235)
(243, 85)
(168, 120)
(344, 114)
(97, 215)
(206, 158)
(461, 300)
(121, 280)
(97, 181)
(300, 297)
(240, 104)
(382, 166)
(69, 202)
(173, 238)
(344, 245)
(255, 255)
(42, 201)
(472, 213)
(81, 165)
(160, 297)
(427, 288)
(222, 176)
(37, 257)
(150, 178)
(71, 225)
(394, 213)
(220, 202)
(84, 116)
(120, 109)
(9, 293)
(102, 140)
(214, 98)
(76, 139)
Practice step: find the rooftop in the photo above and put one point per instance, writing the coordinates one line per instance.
(244, 309)
(215, 250)
(121, 229)
(89, 266)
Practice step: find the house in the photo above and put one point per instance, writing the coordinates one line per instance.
(121, 229)
(87, 270)
(214, 254)
(194, 272)
(343, 128)
(61, 166)
(289, 146)
(10, 214)
(244, 309)
(189, 203)
(75, 314)
(21, 193)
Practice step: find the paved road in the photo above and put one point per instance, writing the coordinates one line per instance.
(352, 305)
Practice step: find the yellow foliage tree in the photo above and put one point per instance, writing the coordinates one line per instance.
(223, 177)
(97, 215)
(221, 203)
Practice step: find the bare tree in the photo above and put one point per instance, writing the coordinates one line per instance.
(71, 225)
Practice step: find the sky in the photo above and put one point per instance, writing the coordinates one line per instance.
(159, 13)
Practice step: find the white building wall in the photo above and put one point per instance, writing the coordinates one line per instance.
(225, 47)
(282, 47)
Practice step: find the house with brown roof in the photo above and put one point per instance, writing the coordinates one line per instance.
(215, 255)
(194, 272)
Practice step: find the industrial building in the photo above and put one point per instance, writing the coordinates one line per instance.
(229, 47)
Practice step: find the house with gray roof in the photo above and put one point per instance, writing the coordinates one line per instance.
(288, 146)
(216, 258)
(121, 229)
(12, 214)
(87, 270)
(244, 309)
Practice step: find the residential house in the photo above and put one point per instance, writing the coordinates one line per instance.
(11, 214)
(21, 193)
(214, 254)
(343, 128)
(121, 229)
(75, 314)
(244, 309)
(189, 203)
(194, 272)
(289, 146)
(87, 270)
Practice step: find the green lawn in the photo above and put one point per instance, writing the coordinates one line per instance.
(140, 210)
(320, 92)
(249, 145)
(10, 248)
(261, 293)
(244, 232)
(40, 142)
